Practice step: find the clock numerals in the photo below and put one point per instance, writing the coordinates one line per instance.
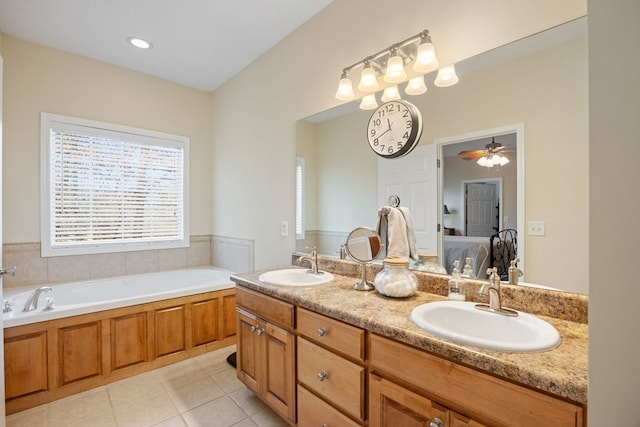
(394, 129)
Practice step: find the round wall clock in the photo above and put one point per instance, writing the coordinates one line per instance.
(394, 129)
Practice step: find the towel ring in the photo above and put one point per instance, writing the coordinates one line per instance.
(394, 201)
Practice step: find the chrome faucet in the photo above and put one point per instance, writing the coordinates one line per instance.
(313, 260)
(32, 302)
(492, 287)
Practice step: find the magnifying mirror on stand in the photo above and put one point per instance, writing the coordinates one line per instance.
(363, 245)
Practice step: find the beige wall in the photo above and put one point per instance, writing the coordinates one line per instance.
(254, 114)
(37, 78)
(614, 108)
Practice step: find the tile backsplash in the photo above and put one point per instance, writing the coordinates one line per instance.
(32, 269)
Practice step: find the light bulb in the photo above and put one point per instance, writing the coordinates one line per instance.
(416, 86)
(395, 70)
(390, 94)
(503, 160)
(345, 90)
(369, 102)
(425, 58)
(482, 161)
(446, 76)
(368, 80)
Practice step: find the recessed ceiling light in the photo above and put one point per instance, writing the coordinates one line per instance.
(139, 43)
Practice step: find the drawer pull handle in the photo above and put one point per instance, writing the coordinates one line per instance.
(323, 376)
(323, 331)
(261, 331)
(436, 423)
(255, 328)
(325, 425)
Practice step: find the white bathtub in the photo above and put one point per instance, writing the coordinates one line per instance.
(83, 297)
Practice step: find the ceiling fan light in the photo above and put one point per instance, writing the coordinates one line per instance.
(483, 161)
(503, 160)
(369, 102)
(368, 80)
(416, 86)
(390, 94)
(395, 70)
(446, 76)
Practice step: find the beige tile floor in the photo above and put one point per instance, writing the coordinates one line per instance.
(202, 391)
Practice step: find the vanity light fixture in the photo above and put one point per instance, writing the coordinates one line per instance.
(390, 94)
(409, 59)
(139, 43)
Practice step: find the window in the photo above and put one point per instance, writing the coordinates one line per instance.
(299, 198)
(110, 188)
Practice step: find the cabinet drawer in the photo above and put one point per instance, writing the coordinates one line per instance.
(484, 397)
(336, 379)
(268, 308)
(313, 411)
(331, 333)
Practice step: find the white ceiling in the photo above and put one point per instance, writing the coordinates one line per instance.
(197, 43)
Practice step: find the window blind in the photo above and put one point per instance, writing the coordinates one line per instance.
(113, 188)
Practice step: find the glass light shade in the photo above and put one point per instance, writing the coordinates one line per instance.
(369, 102)
(503, 160)
(416, 86)
(390, 94)
(425, 58)
(483, 161)
(446, 76)
(368, 80)
(345, 90)
(395, 70)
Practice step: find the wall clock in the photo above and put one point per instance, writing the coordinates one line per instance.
(394, 129)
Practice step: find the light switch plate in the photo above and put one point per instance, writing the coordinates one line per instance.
(284, 228)
(535, 228)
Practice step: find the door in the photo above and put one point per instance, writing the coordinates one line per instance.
(481, 206)
(414, 179)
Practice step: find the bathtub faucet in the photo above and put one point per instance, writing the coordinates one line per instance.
(32, 302)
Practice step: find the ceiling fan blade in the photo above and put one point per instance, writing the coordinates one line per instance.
(502, 148)
(464, 152)
(474, 156)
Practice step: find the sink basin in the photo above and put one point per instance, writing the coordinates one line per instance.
(463, 323)
(295, 277)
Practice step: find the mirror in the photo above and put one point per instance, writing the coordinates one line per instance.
(540, 82)
(363, 245)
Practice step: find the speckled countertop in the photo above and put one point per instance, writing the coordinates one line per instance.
(561, 371)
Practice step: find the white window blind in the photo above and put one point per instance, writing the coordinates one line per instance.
(299, 198)
(111, 188)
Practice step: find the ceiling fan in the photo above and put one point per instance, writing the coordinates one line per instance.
(491, 155)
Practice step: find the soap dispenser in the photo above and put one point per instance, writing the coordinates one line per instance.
(514, 272)
(467, 271)
(456, 285)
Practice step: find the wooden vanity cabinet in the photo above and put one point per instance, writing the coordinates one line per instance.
(331, 371)
(266, 350)
(412, 385)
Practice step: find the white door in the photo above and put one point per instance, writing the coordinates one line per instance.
(414, 179)
(2, 419)
(481, 209)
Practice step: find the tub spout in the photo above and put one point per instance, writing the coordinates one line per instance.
(32, 302)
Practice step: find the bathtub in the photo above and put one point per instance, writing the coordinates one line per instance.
(88, 296)
(105, 330)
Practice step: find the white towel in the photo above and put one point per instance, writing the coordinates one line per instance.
(392, 229)
(411, 234)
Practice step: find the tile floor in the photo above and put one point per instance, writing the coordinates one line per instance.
(202, 391)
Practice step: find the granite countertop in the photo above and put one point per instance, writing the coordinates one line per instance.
(561, 371)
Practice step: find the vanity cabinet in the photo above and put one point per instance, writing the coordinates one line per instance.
(331, 371)
(266, 350)
(412, 385)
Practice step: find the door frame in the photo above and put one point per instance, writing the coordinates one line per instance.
(519, 130)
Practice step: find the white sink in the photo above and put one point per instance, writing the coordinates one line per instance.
(295, 277)
(463, 323)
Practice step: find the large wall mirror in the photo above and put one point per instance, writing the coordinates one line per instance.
(538, 83)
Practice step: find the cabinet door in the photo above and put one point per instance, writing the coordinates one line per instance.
(248, 358)
(391, 405)
(279, 370)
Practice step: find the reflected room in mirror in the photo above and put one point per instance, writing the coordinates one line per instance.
(540, 83)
